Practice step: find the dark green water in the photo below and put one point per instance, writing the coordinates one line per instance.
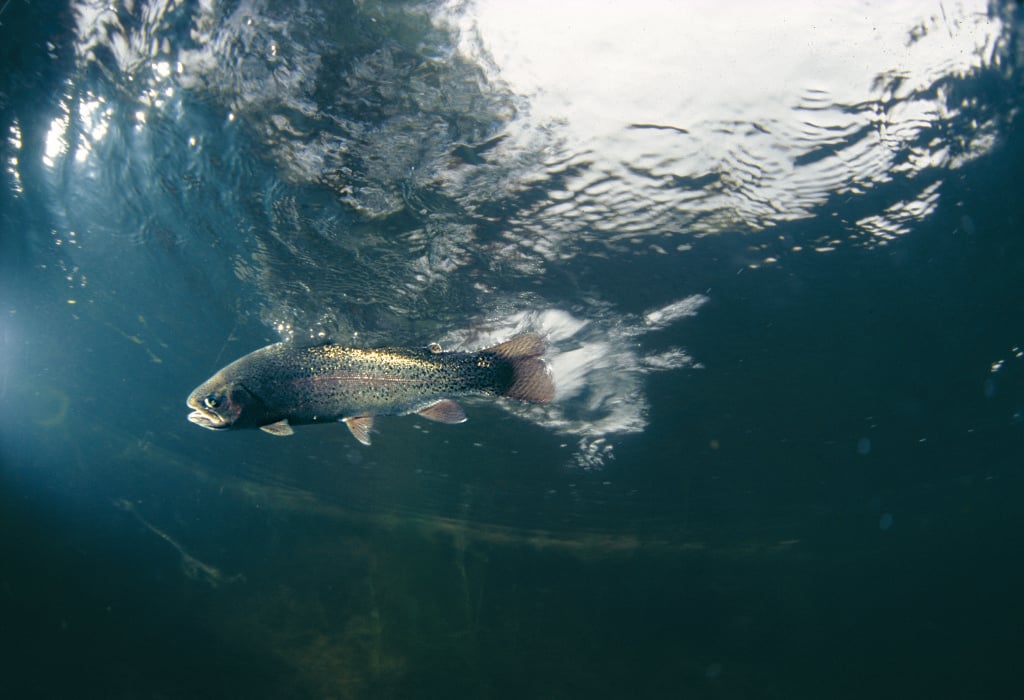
(787, 456)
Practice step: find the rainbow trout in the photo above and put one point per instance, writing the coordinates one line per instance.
(283, 385)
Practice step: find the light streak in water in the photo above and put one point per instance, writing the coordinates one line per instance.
(190, 565)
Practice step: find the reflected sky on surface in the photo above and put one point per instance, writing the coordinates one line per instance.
(706, 117)
(657, 120)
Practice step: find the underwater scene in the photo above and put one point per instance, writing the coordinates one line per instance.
(491, 349)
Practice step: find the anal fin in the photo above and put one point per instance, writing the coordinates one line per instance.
(444, 411)
(360, 427)
(280, 428)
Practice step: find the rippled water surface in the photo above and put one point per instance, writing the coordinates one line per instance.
(775, 254)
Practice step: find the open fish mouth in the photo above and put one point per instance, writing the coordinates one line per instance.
(210, 421)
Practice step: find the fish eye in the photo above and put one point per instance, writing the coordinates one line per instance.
(212, 401)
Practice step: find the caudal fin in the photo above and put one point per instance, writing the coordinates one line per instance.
(531, 377)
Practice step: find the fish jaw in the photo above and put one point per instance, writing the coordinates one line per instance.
(203, 418)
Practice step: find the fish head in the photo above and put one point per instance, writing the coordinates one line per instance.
(220, 404)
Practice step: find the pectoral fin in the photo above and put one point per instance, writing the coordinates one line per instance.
(280, 428)
(444, 411)
(360, 427)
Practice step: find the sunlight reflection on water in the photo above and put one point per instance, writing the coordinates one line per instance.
(708, 117)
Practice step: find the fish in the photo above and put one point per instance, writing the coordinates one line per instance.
(284, 385)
